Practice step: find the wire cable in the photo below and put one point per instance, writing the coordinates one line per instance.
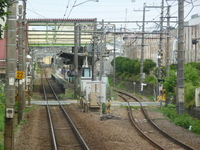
(36, 13)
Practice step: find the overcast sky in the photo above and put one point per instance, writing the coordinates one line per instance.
(108, 10)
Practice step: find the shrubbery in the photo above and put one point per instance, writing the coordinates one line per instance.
(126, 68)
(192, 78)
(183, 120)
(130, 69)
(132, 66)
(2, 109)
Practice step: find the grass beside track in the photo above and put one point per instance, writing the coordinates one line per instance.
(183, 120)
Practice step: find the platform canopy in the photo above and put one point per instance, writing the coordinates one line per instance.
(69, 57)
(45, 33)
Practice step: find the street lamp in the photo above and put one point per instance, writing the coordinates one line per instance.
(86, 2)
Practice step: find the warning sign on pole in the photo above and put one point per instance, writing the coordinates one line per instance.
(20, 75)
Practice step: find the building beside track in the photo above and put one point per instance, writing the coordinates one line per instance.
(132, 44)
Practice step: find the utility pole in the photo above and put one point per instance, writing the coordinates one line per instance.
(21, 85)
(94, 51)
(101, 51)
(24, 54)
(167, 49)
(114, 57)
(10, 77)
(181, 59)
(76, 36)
(142, 51)
(167, 46)
(160, 55)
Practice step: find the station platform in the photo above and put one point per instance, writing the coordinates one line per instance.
(62, 82)
(59, 80)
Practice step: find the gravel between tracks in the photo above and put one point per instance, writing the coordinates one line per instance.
(100, 134)
(116, 133)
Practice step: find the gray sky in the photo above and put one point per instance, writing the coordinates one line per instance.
(109, 10)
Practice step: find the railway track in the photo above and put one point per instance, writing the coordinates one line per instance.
(63, 131)
(148, 129)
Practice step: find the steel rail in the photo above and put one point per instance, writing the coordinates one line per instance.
(156, 127)
(75, 130)
(50, 119)
(138, 129)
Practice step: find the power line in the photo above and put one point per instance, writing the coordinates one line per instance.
(36, 13)
(72, 9)
(33, 10)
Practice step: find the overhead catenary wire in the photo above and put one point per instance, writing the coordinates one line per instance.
(39, 15)
(154, 27)
(53, 41)
(34, 10)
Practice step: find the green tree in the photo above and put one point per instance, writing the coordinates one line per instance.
(191, 74)
(148, 65)
(173, 67)
(3, 13)
(126, 65)
(192, 79)
(150, 79)
(195, 65)
(189, 95)
(137, 68)
(170, 83)
(132, 68)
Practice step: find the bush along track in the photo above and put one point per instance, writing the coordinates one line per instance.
(184, 120)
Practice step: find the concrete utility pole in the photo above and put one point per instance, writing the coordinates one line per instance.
(114, 57)
(94, 53)
(167, 49)
(160, 55)
(101, 50)
(76, 44)
(10, 77)
(24, 68)
(181, 59)
(142, 51)
(167, 46)
(21, 82)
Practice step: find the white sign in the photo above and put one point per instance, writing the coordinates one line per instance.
(143, 84)
(11, 81)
